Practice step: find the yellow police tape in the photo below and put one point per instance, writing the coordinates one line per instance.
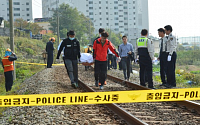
(38, 64)
(101, 97)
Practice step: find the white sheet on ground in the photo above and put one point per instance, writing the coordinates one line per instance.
(86, 57)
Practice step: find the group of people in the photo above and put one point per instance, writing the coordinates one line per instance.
(104, 51)
(102, 47)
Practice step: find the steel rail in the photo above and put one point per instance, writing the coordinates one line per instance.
(129, 118)
(189, 105)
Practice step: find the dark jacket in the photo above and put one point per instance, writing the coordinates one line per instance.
(49, 47)
(72, 49)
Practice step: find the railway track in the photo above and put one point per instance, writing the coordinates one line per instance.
(184, 112)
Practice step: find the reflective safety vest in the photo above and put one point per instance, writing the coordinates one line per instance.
(142, 42)
(7, 64)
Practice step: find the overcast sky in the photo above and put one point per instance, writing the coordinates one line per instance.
(182, 15)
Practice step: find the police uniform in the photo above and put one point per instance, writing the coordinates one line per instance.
(171, 63)
(163, 59)
(145, 49)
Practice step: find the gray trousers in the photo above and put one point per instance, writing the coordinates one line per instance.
(72, 67)
(126, 66)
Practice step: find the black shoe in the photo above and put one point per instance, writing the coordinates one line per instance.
(164, 84)
(143, 85)
(151, 88)
(171, 86)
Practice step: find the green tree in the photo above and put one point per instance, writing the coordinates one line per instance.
(71, 19)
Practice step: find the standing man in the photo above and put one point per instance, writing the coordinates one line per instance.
(126, 49)
(163, 56)
(171, 57)
(7, 63)
(144, 48)
(49, 50)
(100, 49)
(71, 52)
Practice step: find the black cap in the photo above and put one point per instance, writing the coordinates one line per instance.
(71, 32)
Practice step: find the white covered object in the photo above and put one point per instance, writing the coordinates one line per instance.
(86, 57)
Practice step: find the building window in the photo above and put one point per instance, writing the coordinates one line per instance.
(99, 7)
(116, 13)
(116, 29)
(99, 13)
(16, 14)
(116, 24)
(106, 18)
(134, 24)
(120, 10)
(125, 2)
(16, 3)
(121, 21)
(99, 2)
(106, 7)
(107, 24)
(90, 13)
(116, 18)
(90, 8)
(115, 2)
(100, 18)
(133, 18)
(125, 18)
(125, 23)
(125, 7)
(27, 9)
(133, 7)
(27, 3)
(90, 2)
(28, 19)
(106, 2)
(120, 15)
(115, 7)
(27, 14)
(106, 13)
(126, 29)
(125, 13)
(133, 12)
(100, 24)
(16, 9)
(133, 2)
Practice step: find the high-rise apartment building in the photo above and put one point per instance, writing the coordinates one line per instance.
(128, 17)
(48, 5)
(21, 9)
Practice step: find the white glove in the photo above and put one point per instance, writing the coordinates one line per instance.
(169, 58)
(118, 59)
(58, 60)
(136, 61)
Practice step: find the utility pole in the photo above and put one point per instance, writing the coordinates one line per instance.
(58, 33)
(90, 31)
(12, 33)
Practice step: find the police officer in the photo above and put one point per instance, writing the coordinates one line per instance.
(144, 48)
(72, 53)
(171, 57)
(7, 63)
(49, 50)
(163, 56)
